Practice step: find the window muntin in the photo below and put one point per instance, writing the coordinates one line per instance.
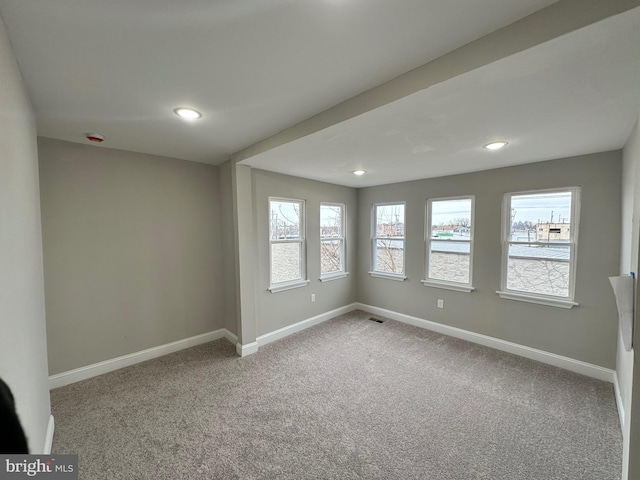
(332, 239)
(286, 241)
(388, 239)
(539, 243)
(450, 240)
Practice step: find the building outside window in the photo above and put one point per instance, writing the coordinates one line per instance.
(540, 237)
(449, 243)
(388, 241)
(332, 241)
(286, 244)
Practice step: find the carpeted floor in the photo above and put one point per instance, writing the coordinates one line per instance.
(347, 399)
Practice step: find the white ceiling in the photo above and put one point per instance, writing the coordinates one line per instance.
(256, 67)
(574, 95)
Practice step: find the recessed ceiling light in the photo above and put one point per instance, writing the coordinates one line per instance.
(187, 113)
(495, 145)
(359, 172)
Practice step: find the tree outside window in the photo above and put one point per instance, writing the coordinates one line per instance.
(286, 238)
(389, 239)
(332, 239)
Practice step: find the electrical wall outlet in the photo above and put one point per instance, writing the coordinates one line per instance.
(313, 297)
(440, 303)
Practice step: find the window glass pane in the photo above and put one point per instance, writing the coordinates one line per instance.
(389, 256)
(541, 217)
(332, 238)
(286, 262)
(539, 269)
(331, 221)
(542, 262)
(331, 256)
(390, 220)
(451, 219)
(285, 220)
(450, 240)
(449, 261)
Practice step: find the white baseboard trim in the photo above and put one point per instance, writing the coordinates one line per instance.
(549, 358)
(304, 324)
(619, 403)
(230, 336)
(82, 373)
(246, 349)
(250, 348)
(48, 439)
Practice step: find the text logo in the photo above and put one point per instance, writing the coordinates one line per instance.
(51, 467)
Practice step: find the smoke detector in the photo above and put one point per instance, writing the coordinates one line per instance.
(95, 137)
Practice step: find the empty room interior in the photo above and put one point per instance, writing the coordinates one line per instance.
(322, 238)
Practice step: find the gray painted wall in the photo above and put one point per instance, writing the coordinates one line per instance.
(278, 310)
(586, 333)
(628, 263)
(633, 467)
(23, 347)
(244, 251)
(228, 240)
(132, 251)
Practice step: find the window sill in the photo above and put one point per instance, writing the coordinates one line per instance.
(388, 276)
(448, 286)
(288, 286)
(550, 302)
(333, 276)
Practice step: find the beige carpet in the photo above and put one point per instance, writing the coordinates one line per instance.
(348, 399)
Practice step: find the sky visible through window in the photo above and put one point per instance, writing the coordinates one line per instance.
(390, 213)
(285, 219)
(285, 211)
(541, 208)
(446, 212)
(331, 217)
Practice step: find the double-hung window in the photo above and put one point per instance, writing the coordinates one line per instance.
(332, 241)
(539, 241)
(388, 241)
(449, 243)
(286, 244)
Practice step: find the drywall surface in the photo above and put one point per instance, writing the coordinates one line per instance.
(558, 19)
(629, 246)
(23, 346)
(132, 251)
(281, 309)
(228, 240)
(632, 469)
(587, 332)
(244, 255)
(629, 263)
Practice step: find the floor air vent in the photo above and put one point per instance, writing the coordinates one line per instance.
(377, 320)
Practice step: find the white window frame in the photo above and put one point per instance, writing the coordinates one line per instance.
(301, 281)
(326, 277)
(448, 284)
(374, 242)
(542, 299)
